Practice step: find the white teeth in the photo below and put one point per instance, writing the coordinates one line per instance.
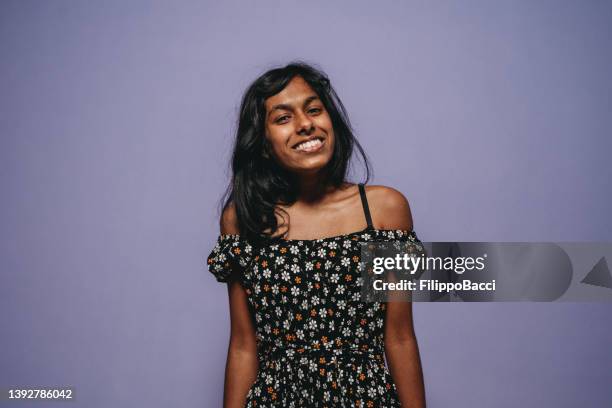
(308, 145)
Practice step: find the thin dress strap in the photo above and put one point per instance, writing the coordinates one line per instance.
(366, 208)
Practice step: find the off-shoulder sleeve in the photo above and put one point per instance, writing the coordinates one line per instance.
(230, 253)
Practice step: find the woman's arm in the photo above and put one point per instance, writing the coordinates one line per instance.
(390, 210)
(242, 364)
(402, 352)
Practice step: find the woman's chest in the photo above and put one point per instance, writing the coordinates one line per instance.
(299, 273)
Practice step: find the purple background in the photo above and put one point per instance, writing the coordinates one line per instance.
(116, 122)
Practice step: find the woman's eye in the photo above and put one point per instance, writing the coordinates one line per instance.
(281, 118)
(315, 110)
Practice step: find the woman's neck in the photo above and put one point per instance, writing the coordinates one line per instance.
(313, 188)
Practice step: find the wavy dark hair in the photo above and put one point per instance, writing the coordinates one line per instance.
(258, 183)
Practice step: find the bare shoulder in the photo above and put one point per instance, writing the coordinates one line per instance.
(389, 208)
(229, 220)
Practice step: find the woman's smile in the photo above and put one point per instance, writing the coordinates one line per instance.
(312, 145)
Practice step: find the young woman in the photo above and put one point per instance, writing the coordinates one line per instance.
(289, 248)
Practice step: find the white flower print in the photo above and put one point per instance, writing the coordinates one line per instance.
(351, 311)
(326, 396)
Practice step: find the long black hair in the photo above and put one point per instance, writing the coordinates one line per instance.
(258, 183)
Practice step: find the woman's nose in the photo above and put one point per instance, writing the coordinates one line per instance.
(305, 124)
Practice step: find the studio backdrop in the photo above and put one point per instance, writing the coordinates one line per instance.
(116, 126)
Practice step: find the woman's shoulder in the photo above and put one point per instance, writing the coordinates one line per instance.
(389, 208)
(228, 224)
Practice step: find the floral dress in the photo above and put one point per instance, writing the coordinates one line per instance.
(318, 345)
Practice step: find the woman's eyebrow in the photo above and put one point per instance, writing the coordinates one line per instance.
(284, 106)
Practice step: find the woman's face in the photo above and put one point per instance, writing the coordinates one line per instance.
(299, 128)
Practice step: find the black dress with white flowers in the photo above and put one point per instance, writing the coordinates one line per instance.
(318, 344)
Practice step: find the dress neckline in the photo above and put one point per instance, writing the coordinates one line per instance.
(332, 238)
